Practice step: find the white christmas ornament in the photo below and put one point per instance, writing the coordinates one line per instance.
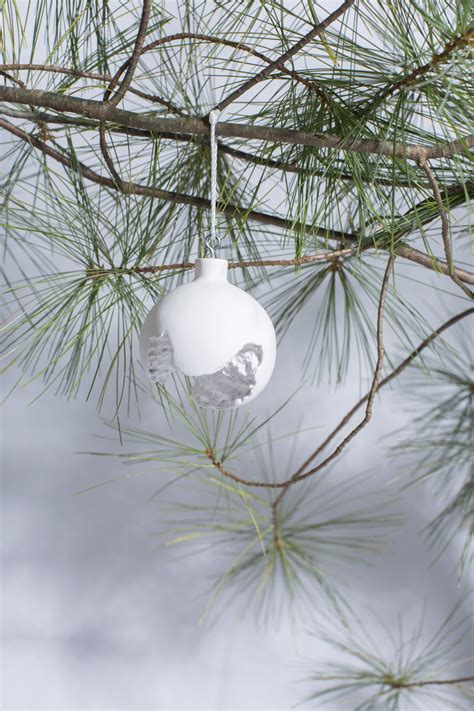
(213, 332)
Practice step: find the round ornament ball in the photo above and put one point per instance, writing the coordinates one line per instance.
(214, 333)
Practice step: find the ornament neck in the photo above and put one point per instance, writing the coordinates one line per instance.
(213, 269)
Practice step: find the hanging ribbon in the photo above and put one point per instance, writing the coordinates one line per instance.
(212, 242)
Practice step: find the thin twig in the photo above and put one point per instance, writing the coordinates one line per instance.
(462, 40)
(300, 473)
(308, 83)
(415, 256)
(8, 76)
(444, 225)
(415, 74)
(109, 101)
(394, 374)
(428, 682)
(314, 32)
(373, 388)
(134, 59)
(184, 266)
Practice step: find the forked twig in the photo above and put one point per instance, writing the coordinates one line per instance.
(276, 64)
(129, 188)
(112, 101)
(299, 474)
(424, 165)
(391, 376)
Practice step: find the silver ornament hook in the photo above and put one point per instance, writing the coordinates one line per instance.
(212, 242)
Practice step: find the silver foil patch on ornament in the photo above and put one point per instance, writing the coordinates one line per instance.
(231, 383)
(160, 357)
(223, 389)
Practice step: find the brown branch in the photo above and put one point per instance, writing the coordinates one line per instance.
(112, 80)
(418, 72)
(456, 43)
(8, 76)
(109, 101)
(185, 266)
(173, 197)
(299, 474)
(407, 252)
(195, 126)
(314, 32)
(394, 374)
(308, 83)
(465, 39)
(444, 226)
(232, 211)
(368, 410)
(134, 59)
(414, 255)
(408, 79)
(237, 153)
(106, 78)
(427, 682)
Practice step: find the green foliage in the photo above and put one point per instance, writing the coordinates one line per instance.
(375, 665)
(272, 569)
(370, 196)
(79, 259)
(271, 563)
(439, 446)
(342, 297)
(78, 318)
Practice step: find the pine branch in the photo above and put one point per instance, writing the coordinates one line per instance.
(112, 101)
(368, 410)
(195, 126)
(36, 116)
(293, 167)
(463, 40)
(414, 255)
(410, 253)
(302, 472)
(224, 42)
(444, 226)
(109, 101)
(399, 684)
(233, 96)
(405, 658)
(407, 80)
(184, 266)
(394, 374)
(82, 74)
(404, 251)
(129, 188)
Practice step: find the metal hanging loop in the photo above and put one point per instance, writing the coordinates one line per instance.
(212, 242)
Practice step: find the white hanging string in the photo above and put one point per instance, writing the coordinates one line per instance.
(212, 242)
